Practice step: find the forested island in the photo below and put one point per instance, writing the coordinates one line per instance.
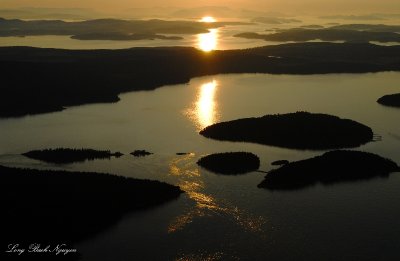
(329, 168)
(48, 207)
(230, 163)
(300, 130)
(141, 153)
(66, 155)
(392, 100)
(46, 80)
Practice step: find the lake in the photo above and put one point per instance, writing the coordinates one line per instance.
(228, 217)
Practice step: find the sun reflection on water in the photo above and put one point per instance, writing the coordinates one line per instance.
(191, 181)
(208, 19)
(208, 41)
(204, 111)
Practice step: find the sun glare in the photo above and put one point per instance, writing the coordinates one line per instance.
(208, 42)
(204, 111)
(208, 19)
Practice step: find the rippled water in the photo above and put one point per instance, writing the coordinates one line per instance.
(225, 217)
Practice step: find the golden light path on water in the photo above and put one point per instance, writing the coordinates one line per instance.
(204, 111)
(190, 179)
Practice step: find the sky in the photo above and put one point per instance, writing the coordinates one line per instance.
(287, 6)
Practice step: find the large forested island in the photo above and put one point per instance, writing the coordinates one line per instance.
(45, 80)
(299, 130)
(331, 167)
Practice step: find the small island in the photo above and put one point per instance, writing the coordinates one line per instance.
(392, 100)
(331, 167)
(67, 155)
(141, 153)
(58, 206)
(279, 162)
(300, 130)
(230, 163)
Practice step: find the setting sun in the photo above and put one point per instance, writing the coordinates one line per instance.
(208, 19)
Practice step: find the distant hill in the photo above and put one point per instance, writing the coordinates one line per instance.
(17, 27)
(339, 33)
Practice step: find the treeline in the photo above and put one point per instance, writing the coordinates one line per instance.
(66, 155)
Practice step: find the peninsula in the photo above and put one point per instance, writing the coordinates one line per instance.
(58, 206)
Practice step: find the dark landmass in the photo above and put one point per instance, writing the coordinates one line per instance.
(392, 100)
(369, 27)
(115, 36)
(329, 34)
(182, 153)
(312, 26)
(48, 13)
(280, 162)
(230, 163)
(16, 27)
(141, 153)
(274, 20)
(47, 80)
(49, 207)
(65, 155)
(353, 17)
(331, 167)
(300, 130)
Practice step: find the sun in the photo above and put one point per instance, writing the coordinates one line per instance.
(208, 19)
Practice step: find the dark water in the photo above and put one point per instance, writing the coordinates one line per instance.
(229, 218)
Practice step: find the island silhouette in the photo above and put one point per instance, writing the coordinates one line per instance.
(67, 155)
(230, 163)
(141, 153)
(329, 168)
(392, 100)
(300, 130)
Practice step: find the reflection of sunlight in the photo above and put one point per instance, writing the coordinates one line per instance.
(204, 111)
(208, 19)
(190, 180)
(208, 42)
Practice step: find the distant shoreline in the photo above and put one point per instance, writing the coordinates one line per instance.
(41, 80)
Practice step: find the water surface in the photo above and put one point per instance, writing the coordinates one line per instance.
(224, 217)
